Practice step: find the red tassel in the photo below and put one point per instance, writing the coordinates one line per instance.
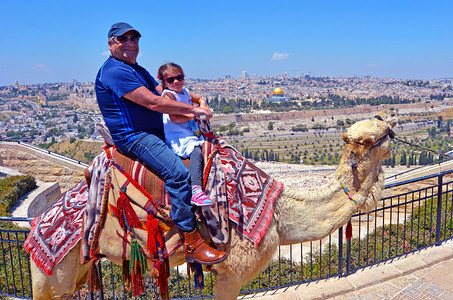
(126, 274)
(126, 212)
(160, 273)
(349, 231)
(163, 277)
(94, 282)
(138, 283)
(152, 226)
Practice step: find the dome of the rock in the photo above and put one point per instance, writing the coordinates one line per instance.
(277, 91)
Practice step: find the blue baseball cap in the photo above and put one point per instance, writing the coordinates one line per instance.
(121, 28)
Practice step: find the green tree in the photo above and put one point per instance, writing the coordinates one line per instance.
(403, 159)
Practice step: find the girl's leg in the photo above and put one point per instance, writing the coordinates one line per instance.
(199, 198)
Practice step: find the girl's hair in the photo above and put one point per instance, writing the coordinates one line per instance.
(164, 68)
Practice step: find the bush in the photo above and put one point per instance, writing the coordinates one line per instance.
(11, 189)
(15, 258)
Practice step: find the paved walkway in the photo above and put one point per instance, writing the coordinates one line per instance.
(426, 274)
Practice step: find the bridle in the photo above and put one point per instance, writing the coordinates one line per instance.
(388, 134)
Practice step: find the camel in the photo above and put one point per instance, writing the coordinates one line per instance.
(299, 216)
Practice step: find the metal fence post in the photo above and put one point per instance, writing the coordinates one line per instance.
(340, 251)
(348, 256)
(439, 208)
(101, 292)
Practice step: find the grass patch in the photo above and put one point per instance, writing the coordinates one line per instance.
(14, 269)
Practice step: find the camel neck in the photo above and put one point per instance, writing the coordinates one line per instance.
(313, 215)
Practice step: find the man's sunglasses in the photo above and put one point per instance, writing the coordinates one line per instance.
(172, 79)
(122, 39)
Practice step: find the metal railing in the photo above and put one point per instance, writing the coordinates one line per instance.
(412, 215)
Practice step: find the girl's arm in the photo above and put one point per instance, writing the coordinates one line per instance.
(178, 118)
(199, 100)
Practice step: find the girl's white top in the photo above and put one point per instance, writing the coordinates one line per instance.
(179, 137)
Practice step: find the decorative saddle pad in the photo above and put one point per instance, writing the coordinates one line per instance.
(139, 181)
(112, 235)
(250, 192)
(58, 229)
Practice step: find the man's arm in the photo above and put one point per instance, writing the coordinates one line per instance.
(178, 118)
(144, 97)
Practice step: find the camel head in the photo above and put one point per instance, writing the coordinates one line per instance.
(367, 145)
(370, 136)
(388, 116)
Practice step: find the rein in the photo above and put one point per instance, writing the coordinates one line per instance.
(393, 136)
(412, 144)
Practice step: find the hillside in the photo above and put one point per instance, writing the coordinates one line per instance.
(81, 150)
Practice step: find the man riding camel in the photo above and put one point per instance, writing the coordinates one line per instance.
(131, 105)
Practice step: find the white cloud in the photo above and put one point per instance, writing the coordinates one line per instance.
(42, 68)
(280, 56)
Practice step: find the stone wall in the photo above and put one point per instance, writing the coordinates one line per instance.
(42, 164)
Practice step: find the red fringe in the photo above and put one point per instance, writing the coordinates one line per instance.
(154, 235)
(126, 212)
(163, 277)
(138, 282)
(349, 231)
(160, 273)
(125, 273)
(94, 282)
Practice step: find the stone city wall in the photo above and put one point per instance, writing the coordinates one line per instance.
(42, 164)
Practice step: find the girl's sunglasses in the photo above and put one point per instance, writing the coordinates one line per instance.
(172, 79)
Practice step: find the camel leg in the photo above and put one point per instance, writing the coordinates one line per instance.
(68, 276)
(227, 287)
(40, 283)
(244, 262)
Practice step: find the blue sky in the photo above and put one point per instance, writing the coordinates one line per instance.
(58, 41)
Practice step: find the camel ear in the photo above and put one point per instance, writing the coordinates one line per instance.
(345, 137)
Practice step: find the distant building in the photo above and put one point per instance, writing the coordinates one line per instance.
(42, 97)
(278, 96)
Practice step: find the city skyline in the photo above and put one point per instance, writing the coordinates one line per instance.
(57, 42)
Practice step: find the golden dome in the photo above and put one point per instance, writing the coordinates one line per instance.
(278, 91)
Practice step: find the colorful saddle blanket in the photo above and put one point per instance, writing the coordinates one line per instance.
(250, 192)
(98, 171)
(58, 229)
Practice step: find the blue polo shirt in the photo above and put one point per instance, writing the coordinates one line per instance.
(125, 118)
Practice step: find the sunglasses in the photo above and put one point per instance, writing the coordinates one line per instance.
(172, 79)
(122, 39)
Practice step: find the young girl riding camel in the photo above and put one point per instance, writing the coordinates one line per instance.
(181, 132)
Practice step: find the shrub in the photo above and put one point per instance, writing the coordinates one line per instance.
(11, 189)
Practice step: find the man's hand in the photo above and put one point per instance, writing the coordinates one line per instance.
(198, 111)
